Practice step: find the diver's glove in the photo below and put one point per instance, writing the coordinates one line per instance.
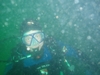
(70, 67)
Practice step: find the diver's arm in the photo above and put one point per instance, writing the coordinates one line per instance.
(13, 65)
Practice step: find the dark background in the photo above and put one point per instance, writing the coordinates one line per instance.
(74, 22)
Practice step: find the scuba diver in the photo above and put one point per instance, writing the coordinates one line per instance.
(39, 54)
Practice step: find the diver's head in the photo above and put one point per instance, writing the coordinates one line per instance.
(32, 35)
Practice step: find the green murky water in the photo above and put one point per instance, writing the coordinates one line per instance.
(75, 22)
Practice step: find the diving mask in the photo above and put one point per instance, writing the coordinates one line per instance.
(33, 38)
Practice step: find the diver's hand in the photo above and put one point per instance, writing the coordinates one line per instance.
(71, 68)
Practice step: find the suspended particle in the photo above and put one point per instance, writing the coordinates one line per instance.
(45, 26)
(28, 48)
(88, 37)
(57, 17)
(81, 8)
(38, 18)
(76, 1)
(99, 26)
(6, 23)
(12, 2)
(63, 31)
